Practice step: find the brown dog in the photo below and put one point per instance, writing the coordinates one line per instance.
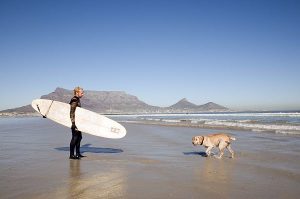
(221, 141)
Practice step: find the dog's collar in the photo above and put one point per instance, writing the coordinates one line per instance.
(202, 141)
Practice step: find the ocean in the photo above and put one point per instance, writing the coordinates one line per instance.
(286, 122)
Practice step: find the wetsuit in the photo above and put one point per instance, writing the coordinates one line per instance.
(76, 135)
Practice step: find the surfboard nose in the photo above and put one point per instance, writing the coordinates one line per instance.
(35, 105)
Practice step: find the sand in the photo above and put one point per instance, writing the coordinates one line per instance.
(150, 162)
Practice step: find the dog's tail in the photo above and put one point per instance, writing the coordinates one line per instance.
(232, 138)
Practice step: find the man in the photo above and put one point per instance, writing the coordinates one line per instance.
(76, 134)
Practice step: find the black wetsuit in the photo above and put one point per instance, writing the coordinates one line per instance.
(76, 135)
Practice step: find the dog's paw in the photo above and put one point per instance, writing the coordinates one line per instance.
(217, 156)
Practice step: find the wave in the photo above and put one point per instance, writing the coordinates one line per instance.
(252, 125)
(255, 126)
(278, 122)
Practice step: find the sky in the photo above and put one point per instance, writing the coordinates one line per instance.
(244, 55)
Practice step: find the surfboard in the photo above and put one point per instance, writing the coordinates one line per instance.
(86, 121)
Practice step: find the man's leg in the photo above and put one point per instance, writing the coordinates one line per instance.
(78, 154)
(73, 144)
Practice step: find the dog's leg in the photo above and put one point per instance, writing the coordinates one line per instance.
(222, 146)
(231, 151)
(221, 153)
(208, 150)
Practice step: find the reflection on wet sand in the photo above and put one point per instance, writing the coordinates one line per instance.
(215, 172)
(107, 183)
(74, 178)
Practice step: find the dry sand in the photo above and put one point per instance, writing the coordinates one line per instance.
(150, 162)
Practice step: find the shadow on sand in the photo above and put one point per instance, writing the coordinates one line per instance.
(203, 154)
(88, 148)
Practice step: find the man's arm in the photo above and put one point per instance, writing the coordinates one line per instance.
(72, 113)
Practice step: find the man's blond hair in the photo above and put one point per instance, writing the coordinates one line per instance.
(77, 89)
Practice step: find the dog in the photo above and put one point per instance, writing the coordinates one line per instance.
(220, 140)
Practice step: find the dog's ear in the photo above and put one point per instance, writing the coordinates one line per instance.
(194, 140)
(200, 139)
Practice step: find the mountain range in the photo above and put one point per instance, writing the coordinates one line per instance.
(119, 102)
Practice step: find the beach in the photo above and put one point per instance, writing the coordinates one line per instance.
(151, 161)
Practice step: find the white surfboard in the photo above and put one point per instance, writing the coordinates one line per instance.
(86, 121)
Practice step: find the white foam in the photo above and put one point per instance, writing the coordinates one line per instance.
(288, 132)
(272, 127)
(290, 124)
(151, 119)
(172, 121)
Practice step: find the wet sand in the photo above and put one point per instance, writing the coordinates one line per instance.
(150, 162)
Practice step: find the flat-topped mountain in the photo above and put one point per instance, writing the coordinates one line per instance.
(103, 101)
(119, 102)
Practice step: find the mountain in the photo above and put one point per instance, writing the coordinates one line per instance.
(210, 106)
(20, 110)
(183, 104)
(118, 102)
(104, 101)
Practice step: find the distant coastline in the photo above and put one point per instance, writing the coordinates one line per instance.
(119, 102)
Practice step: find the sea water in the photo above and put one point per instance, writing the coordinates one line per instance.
(286, 122)
(278, 122)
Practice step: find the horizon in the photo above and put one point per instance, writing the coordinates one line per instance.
(241, 55)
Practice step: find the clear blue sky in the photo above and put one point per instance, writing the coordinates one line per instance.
(240, 54)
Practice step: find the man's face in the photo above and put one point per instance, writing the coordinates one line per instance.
(80, 93)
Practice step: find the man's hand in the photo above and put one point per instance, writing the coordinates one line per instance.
(74, 127)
